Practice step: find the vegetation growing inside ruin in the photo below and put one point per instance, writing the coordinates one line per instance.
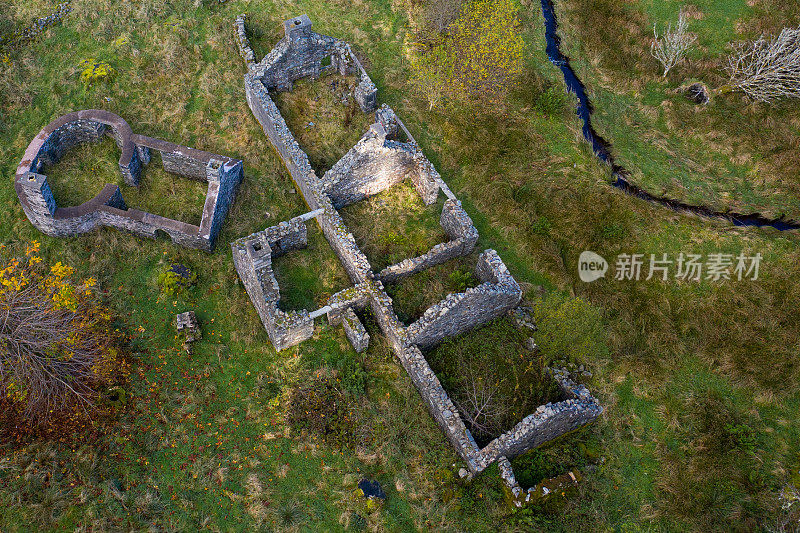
(492, 377)
(394, 225)
(324, 118)
(83, 172)
(699, 382)
(413, 295)
(308, 277)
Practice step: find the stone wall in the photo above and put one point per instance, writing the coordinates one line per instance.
(547, 422)
(458, 226)
(252, 258)
(108, 208)
(373, 165)
(377, 162)
(243, 43)
(461, 312)
(355, 331)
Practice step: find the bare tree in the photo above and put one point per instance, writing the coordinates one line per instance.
(766, 69)
(439, 14)
(479, 407)
(670, 49)
(52, 339)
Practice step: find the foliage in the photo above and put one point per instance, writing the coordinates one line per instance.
(176, 279)
(56, 345)
(433, 74)
(480, 57)
(767, 69)
(492, 378)
(670, 49)
(438, 15)
(94, 71)
(570, 329)
(461, 280)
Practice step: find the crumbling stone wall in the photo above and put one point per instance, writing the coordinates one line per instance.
(355, 331)
(252, 258)
(372, 166)
(461, 312)
(458, 226)
(108, 208)
(243, 42)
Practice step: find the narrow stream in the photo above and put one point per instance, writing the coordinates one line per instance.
(602, 148)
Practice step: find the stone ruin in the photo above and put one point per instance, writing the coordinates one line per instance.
(108, 208)
(377, 162)
(187, 325)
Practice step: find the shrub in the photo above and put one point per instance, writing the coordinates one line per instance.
(176, 279)
(56, 344)
(94, 71)
(766, 70)
(670, 49)
(461, 280)
(321, 408)
(493, 379)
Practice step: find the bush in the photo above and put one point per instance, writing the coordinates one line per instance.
(493, 379)
(56, 341)
(480, 57)
(321, 408)
(94, 71)
(176, 279)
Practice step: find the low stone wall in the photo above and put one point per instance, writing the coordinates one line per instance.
(108, 208)
(355, 331)
(458, 226)
(252, 258)
(243, 43)
(461, 312)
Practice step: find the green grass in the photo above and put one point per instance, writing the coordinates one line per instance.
(413, 295)
(324, 118)
(307, 278)
(394, 225)
(688, 367)
(84, 171)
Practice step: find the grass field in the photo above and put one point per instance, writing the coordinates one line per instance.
(718, 155)
(698, 380)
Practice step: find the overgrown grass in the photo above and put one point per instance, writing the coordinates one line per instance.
(493, 378)
(324, 117)
(394, 225)
(84, 171)
(307, 278)
(413, 295)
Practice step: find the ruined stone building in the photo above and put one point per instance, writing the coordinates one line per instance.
(378, 161)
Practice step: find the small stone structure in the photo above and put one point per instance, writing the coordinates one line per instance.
(377, 162)
(223, 175)
(187, 324)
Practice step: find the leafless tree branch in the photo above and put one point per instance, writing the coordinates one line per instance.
(670, 49)
(767, 69)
